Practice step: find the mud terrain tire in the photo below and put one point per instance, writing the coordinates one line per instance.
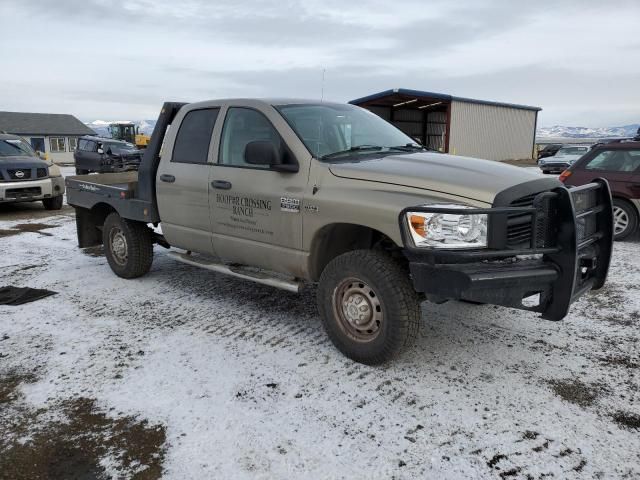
(368, 306)
(128, 246)
(53, 203)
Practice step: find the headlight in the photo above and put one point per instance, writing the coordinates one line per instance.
(448, 230)
(54, 171)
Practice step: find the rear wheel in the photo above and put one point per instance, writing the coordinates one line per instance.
(368, 306)
(128, 246)
(53, 203)
(625, 219)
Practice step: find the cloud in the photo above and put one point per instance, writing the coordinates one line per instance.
(579, 60)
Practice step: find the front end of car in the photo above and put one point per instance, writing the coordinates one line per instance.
(539, 247)
(29, 181)
(554, 164)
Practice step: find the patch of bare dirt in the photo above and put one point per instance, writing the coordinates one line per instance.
(9, 384)
(627, 420)
(97, 251)
(26, 227)
(575, 391)
(34, 446)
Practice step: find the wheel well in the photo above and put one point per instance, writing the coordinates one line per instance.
(635, 207)
(88, 223)
(338, 238)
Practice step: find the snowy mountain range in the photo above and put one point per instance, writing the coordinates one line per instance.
(102, 128)
(558, 131)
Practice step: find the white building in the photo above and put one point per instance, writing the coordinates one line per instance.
(457, 125)
(54, 134)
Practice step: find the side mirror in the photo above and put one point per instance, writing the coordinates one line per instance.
(265, 152)
(41, 155)
(262, 152)
(100, 151)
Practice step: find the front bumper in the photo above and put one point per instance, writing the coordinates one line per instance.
(31, 190)
(548, 276)
(554, 167)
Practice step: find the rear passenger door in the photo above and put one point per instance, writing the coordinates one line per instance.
(182, 183)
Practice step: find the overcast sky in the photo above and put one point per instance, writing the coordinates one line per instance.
(111, 59)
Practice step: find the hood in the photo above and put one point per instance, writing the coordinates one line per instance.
(465, 177)
(22, 162)
(566, 156)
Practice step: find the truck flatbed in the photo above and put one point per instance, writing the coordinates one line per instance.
(118, 190)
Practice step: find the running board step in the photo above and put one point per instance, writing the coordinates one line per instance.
(238, 272)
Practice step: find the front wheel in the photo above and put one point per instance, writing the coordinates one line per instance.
(128, 246)
(368, 305)
(625, 219)
(53, 203)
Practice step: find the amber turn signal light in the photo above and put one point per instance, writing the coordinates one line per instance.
(564, 175)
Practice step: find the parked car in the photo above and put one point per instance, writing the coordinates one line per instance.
(285, 191)
(25, 177)
(619, 163)
(549, 150)
(104, 155)
(563, 159)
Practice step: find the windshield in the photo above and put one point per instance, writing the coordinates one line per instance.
(12, 147)
(329, 130)
(119, 148)
(573, 150)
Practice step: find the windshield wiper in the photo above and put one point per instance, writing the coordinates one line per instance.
(356, 148)
(409, 147)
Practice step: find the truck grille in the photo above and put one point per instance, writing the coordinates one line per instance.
(19, 173)
(520, 227)
(23, 193)
(42, 173)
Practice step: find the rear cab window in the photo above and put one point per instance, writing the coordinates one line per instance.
(194, 136)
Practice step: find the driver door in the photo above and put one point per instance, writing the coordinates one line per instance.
(256, 213)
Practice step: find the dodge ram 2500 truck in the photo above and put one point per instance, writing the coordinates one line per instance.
(284, 191)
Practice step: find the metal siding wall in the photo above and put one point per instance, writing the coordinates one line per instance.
(491, 132)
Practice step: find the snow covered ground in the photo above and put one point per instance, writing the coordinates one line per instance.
(189, 374)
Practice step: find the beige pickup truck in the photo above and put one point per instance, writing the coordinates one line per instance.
(282, 192)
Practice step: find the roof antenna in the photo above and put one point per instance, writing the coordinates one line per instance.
(322, 87)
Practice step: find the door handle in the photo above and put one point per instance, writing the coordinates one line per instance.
(167, 178)
(221, 184)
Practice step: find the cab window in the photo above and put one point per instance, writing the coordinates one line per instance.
(86, 145)
(242, 126)
(615, 161)
(194, 136)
